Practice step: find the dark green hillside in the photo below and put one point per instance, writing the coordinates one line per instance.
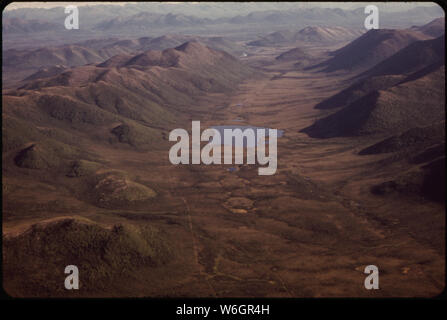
(106, 257)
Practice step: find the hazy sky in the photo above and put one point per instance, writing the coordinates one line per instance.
(346, 5)
(16, 5)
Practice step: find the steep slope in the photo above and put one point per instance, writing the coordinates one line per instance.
(410, 63)
(138, 93)
(276, 38)
(311, 34)
(370, 49)
(422, 151)
(420, 102)
(47, 72)
(222, 43)
(427, 181)
(20, 64)
(175, 40)
(414, 57)
(358, 90)
(165, 41)
(434, 28)
(418, 137)
(316, 34)
(55, 129)
(293, 54)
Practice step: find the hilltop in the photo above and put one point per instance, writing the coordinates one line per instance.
(410, 63)
(396, 109)
(311, 34)
(124, 101)
(370, 49)
(21, 64)
(414, 57)
(434, 28)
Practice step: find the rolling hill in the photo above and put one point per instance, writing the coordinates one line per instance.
(276, 38)
(327, 34)
(20, 64)
(426, 181)
(47, 72)
(103, 252)
(293, 55)
(55, 127)
(135, 94)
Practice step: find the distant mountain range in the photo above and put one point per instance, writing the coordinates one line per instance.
(315, 35)
(294, 54)
(31, 61)
(19, 25)
(140, 18)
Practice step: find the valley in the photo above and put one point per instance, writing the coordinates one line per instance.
(87, 179)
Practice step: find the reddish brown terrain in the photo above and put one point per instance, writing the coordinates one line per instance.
(87, 179)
